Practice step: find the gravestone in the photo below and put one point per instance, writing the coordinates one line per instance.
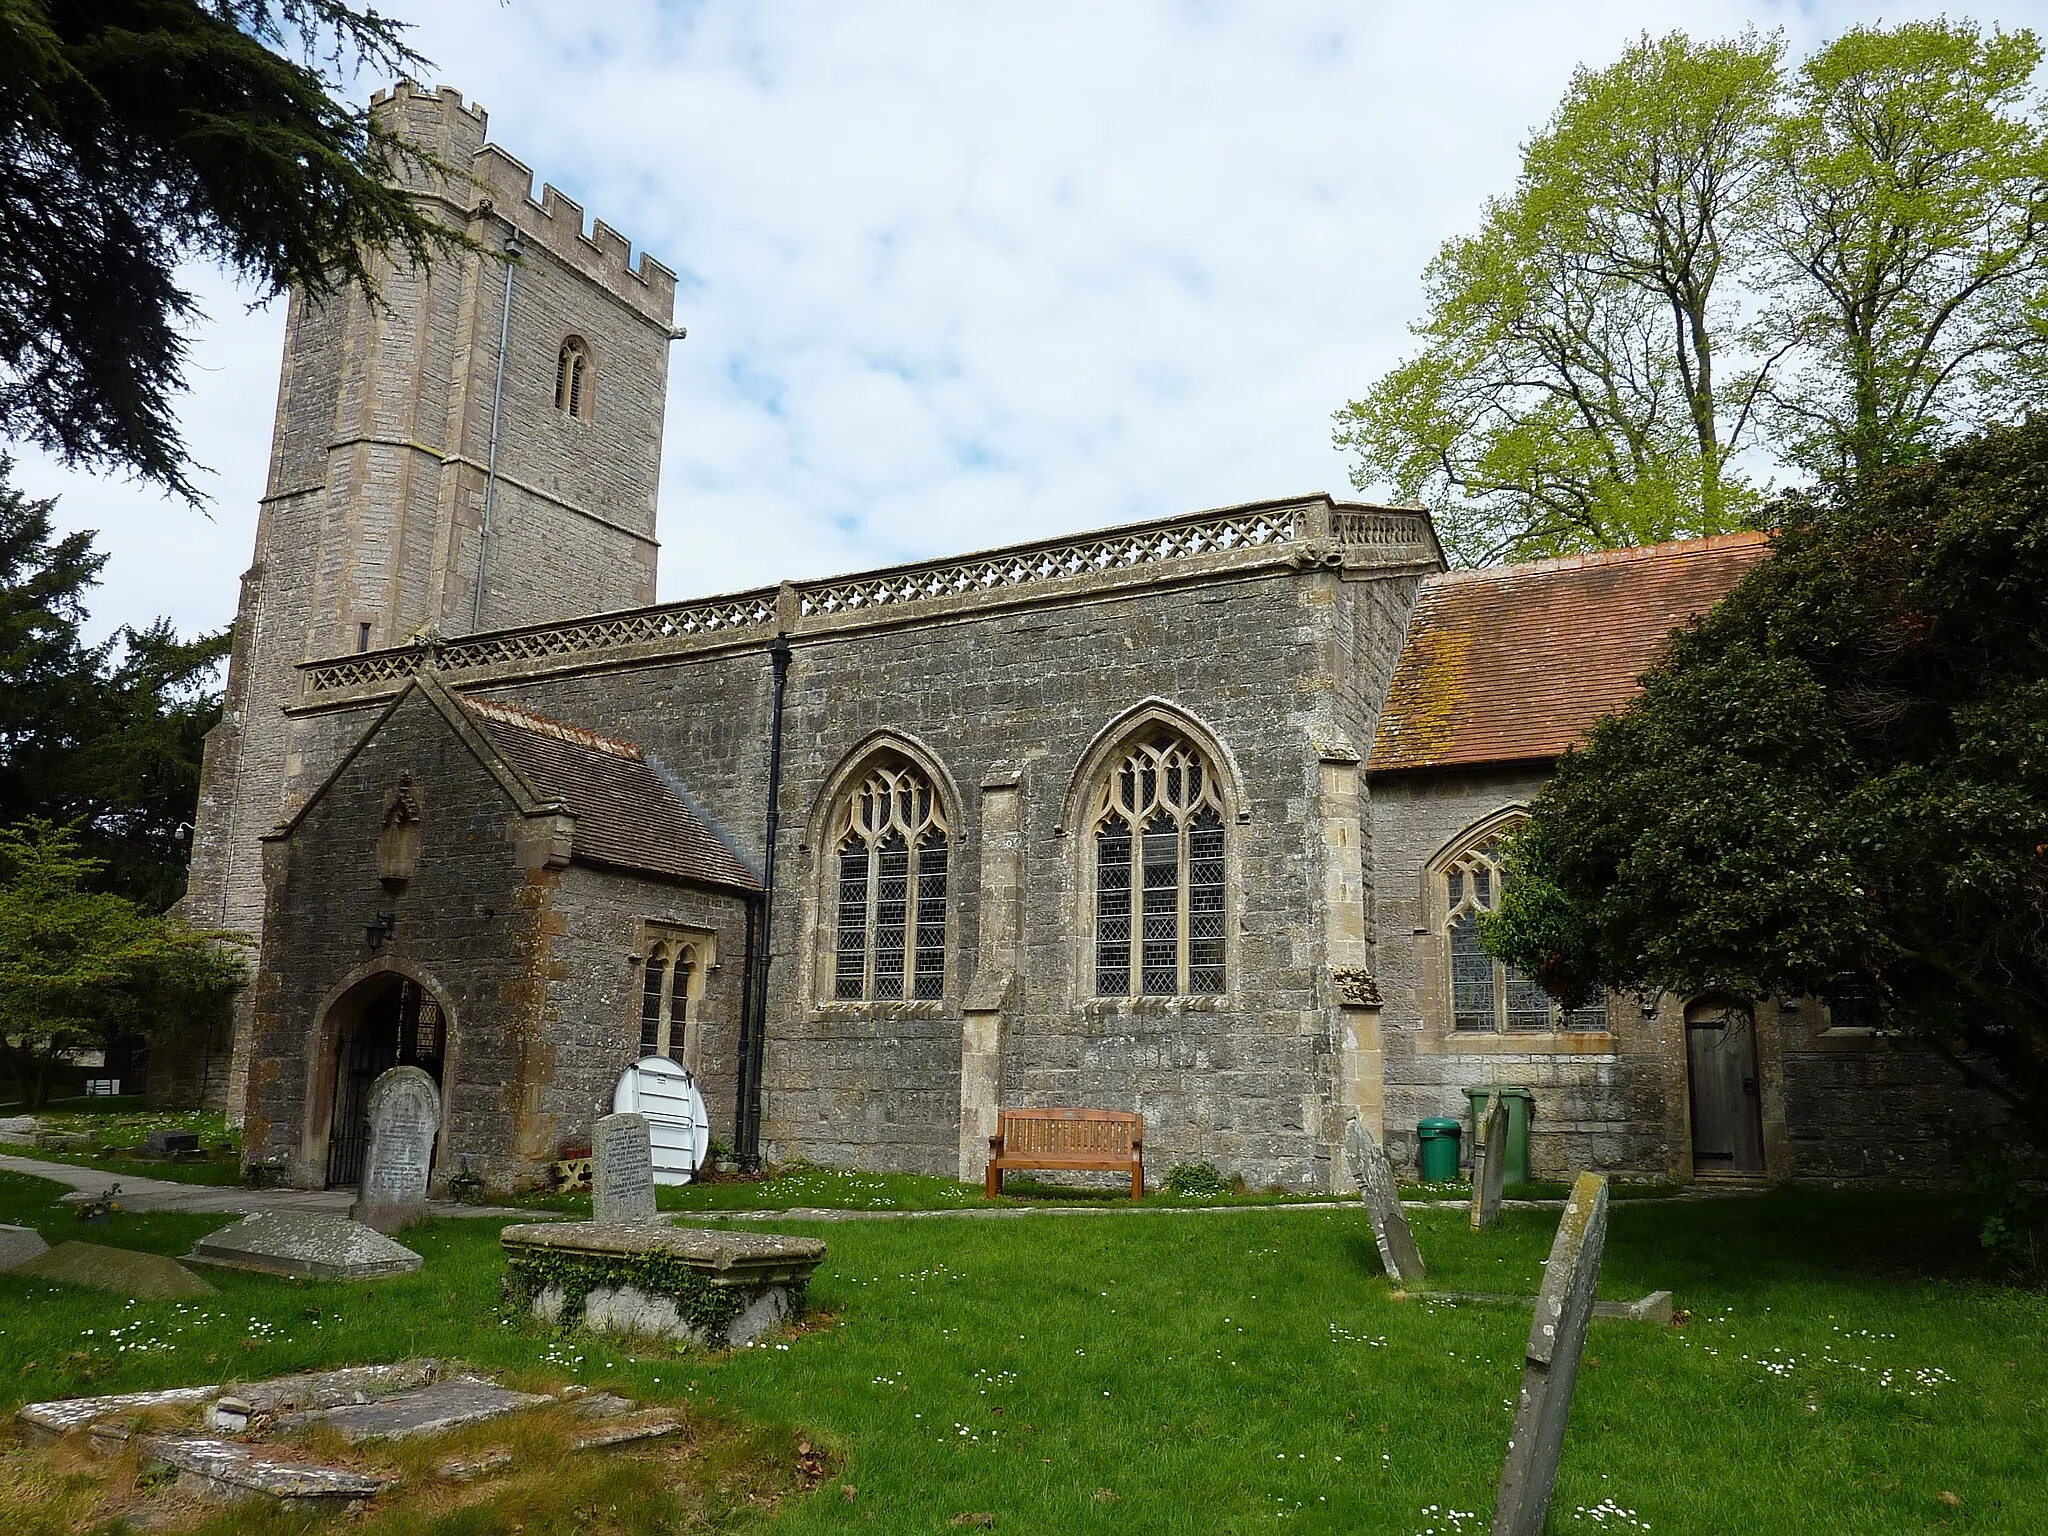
(1382, 1197)
(405, 1116)
(1550, 1369)
(622, 1169)
(144, 1276)
(18, 1245)
(162, 1143)
(1489, 1164)
(306, 1245)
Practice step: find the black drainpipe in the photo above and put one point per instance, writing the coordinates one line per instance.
(761, 938)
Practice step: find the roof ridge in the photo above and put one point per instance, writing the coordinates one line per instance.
(1626, 555)
(542, 725)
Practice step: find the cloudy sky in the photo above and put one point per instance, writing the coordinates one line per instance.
(957, 274)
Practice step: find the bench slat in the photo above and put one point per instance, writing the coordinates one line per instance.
(1109, 1139)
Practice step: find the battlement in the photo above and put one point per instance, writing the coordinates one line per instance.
(453, 131)
(555, 222)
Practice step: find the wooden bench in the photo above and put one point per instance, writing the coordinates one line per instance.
(1110, 1139)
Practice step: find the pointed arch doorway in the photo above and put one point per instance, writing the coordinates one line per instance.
(385, 1021)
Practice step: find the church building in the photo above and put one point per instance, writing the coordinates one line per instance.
(1192, 817)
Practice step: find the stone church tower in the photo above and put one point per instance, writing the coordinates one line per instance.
(478, 450)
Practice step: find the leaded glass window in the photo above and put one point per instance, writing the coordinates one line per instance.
(1160, 895)
(665, 998)
(1489, 996)
(891, 874)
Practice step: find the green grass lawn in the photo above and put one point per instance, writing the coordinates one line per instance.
(125, 1123)
(1247, 1370)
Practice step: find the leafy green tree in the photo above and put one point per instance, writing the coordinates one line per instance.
(107, 737)
(1843, 768)
(137, 134)
(1910, 237)
(1706, 264)
(1572, 391)
(80, 967)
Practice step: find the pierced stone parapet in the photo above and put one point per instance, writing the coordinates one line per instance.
(1311, 531)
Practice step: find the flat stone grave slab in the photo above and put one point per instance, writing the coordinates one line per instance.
(424, 1411)
(305, 1245)
(18, 1245)
(123, 1271)
(1382, 1198)
(721, 1289)
(229, 1471)
(67, 1415)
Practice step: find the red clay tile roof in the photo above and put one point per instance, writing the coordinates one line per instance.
(1515, 663)
(627, 814)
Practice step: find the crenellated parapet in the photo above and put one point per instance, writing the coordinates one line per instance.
(555, 222)
(472, 176)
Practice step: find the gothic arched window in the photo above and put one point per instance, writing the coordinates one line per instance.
(665, 992)
(1489, 996)
(890, 842)
(574, 383)
(1159, 878)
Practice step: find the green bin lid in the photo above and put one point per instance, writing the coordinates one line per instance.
(1439, 1123)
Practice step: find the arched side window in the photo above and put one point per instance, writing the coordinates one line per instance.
(890, 844)
(1159, 877)
(575, 382)
(665, 993)
(1489, 996)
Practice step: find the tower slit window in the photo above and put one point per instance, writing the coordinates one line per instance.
(891, 849)
(1172, 943)
(1488, 996)
(573, 379)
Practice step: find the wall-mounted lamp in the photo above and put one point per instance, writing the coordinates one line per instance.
(378, 929)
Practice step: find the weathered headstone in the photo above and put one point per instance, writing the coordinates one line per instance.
(1550, 1370)
(1489, 1164)
(306, 1245)
(144, 1276)
(1382, 1197)
(162, 1143)
(18, 1245)
(622, 1169)
(405, 1116)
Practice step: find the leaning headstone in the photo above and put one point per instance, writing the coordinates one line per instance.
(1489, 1164)
(305, 1245)
(144, 1276)
(405, 1116)
(1550, 1370)
(1382, 1197)
(622, 1169)
(18, 1245)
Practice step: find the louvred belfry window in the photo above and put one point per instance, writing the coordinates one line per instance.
(891, 852)
(573, 379)
(1489, 996)
(1159, 882)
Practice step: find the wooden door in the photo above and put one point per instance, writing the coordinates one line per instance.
(1727, 1109)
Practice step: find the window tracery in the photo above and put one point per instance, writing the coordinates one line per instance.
(890, 843)
(1488, 996)
(573, 379)
(1160, 892)
(665, 994)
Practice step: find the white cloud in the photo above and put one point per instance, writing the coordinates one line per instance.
(958, 274)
